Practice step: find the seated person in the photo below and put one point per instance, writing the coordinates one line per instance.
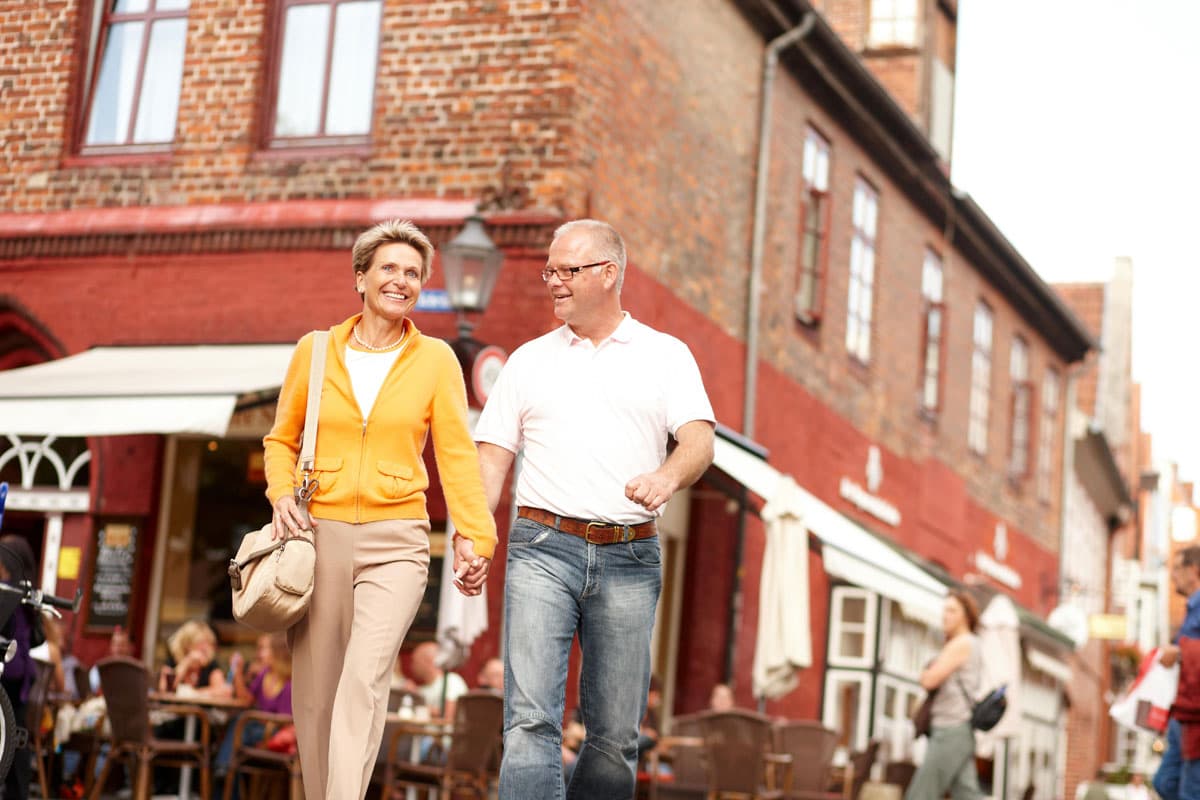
(721, 698)
(119, 644)
(491, 676)
(440, 689)
(269, 690)
(191, 661)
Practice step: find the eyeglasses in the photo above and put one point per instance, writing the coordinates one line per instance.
(567, 273)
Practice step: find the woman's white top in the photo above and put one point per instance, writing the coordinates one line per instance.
(368, 371)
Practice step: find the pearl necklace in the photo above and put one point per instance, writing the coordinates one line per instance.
(361, 343)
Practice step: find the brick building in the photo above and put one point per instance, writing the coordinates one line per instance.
(180, 176)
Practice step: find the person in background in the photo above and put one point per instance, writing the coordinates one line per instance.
(269, 690)
(17, 565)
(491, 675)
(51, 652)
(1178, 777)
(192, 661)
(439, 688)
(949, 764)
(1137, 789)
(119, 644)
(721, 698)
(1094, 789)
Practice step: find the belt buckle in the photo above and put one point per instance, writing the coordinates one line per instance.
(587, 533)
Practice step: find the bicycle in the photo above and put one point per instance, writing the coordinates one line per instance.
(12, 597)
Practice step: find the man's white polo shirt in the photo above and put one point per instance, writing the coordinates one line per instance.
(591, 418)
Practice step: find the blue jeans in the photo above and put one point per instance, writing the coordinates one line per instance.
(556, 584)
(1177, 779)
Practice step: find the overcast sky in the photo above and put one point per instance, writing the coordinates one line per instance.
(1077, 129)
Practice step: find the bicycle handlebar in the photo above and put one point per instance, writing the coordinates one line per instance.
(34, 597)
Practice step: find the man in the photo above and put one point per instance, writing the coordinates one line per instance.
(491, 675)
(1179, 778)
(591, 405)
(434, 684)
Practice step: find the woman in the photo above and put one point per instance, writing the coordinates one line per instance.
(191, 661)
(386, 389)
(269, 689)
(16, 565)
(949, 763)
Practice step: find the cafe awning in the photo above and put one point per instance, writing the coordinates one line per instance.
(108, 391)
(849, 551)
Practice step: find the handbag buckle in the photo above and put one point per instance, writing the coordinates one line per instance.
(235, 574)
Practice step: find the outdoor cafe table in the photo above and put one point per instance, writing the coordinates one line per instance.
(415, 729)
(205, 701)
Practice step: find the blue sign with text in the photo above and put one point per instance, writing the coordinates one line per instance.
(433, 300)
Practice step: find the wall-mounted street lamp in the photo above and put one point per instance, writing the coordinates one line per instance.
(471, 262)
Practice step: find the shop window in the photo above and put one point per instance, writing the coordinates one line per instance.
(862, 271)
(324, 62)
(133, 75)
(981, 380)
(852, 627)
(895, 703)
(934, 309)
(1022, 396)
(814, 233)
(907, 644)
(1046, 430)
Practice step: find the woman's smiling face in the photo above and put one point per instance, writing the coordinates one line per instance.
(392, 283)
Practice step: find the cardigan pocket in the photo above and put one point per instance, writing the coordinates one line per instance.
(398, 477)
(325, 472)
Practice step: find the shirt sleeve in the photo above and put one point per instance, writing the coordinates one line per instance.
(500, 422)
(687, 400)
(281, 447)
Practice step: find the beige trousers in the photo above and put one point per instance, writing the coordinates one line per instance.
(368, 585)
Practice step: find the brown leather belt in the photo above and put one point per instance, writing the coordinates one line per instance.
(591, 531)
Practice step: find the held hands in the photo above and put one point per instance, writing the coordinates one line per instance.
(651, 489)
(1168, 654)
(470, 570)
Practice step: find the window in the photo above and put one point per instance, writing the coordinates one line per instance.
(981, 379)
(847, 706)
(134, 79)
(895, 703)
(852, 627)
(935, 314)
(862, 271)
(1046, 429)
(324, 72)
(814, 235)
(893, 23)
(1022, 396)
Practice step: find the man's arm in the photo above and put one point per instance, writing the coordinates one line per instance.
(494, 464)
(692, 455)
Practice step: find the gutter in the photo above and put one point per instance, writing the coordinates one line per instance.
(762, 175)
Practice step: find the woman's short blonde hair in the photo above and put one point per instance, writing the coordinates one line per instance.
(392, 231)
(185, 638)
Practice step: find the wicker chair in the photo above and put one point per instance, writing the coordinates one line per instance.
(739, 753)
(683, 748)
(260, 769)
(126, 683)
(474, 741)
(811, 746)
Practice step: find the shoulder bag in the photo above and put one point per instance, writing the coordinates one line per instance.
(987, 712)
(922, 718)
(273, 579)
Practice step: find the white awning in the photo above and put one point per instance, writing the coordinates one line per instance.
(850, 551)
(109, 391)
(1043, 662)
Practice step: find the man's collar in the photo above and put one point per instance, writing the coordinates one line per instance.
(623, 332)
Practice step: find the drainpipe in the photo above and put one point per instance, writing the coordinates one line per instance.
(770, 63)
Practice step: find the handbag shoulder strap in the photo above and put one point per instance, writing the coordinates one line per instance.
(316, 378)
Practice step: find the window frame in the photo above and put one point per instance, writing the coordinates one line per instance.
(810, 300)
(1049, 402)
(838, 625)
(93, 39)
(932, 306)
(979, 402)
(831, 707)
(894, 43)
(861, 320)
(1020, 435)
(318, 144)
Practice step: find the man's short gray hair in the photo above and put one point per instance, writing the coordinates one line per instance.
(607, 243)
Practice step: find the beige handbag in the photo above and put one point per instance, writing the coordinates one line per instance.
(273, 579)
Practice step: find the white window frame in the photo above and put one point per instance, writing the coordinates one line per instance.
(861, 298)
(885, 27)
(982, 349)
(830, 716)
(838, 626)
(1047, 426)
(895, 730)
(814, 228)
(932, 287)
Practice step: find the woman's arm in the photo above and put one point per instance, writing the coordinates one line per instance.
(281, 447)
(952, 656)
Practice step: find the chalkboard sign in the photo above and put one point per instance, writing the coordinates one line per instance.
(112, 575)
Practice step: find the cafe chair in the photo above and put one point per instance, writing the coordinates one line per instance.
(475, 739)
(899, 773)
(811, 746)
(126, 685)
(683, 751)
(739, 749)
(41, 745)
(859, 769)
(262, 771)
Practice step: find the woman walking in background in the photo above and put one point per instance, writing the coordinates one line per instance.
(954, 674)
(386, 389)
